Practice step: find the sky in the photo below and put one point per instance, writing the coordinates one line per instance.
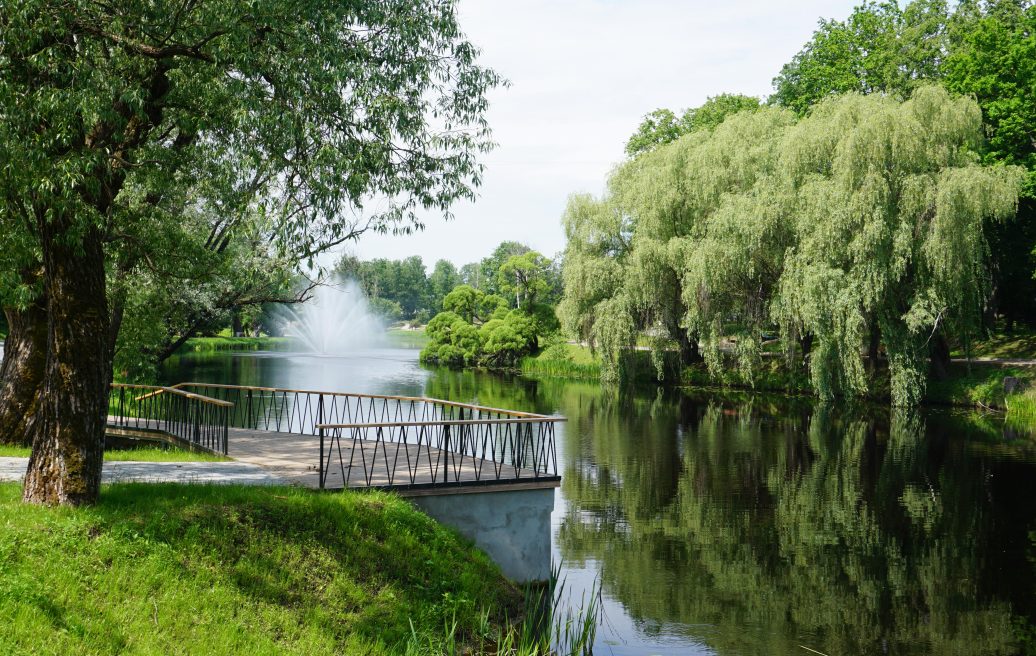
(583, 74)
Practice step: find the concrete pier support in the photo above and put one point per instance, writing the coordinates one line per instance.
(511, 523)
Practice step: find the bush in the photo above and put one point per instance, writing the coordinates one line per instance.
(500, 342)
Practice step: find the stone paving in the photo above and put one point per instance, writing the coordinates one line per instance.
(238, 473)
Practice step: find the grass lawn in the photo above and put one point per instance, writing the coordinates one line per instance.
(193, 569)
(412, 339)
(143, 454)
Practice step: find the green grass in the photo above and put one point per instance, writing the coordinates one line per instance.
(983, 386)
(563, 360)
(142, 454)
(223, 343)
(190, 569)
(415, 339)
(1020, 343)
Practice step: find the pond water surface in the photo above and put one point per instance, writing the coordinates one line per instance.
(720, 524)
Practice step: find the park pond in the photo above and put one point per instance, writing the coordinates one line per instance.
(739, 524)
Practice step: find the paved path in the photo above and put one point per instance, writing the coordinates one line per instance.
(240, 473)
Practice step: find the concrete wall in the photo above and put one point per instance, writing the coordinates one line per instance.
(512, 526)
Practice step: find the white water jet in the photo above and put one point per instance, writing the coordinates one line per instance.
(336, 321)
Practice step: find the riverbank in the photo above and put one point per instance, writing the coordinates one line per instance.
(227, 569)
(222, 343)
(982, 384)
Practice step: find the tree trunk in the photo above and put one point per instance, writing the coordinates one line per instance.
(21, 372)
(940, 357)
(689, 353)
(873, 346)
(68, 443)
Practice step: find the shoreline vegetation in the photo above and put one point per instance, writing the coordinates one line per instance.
(979, 385)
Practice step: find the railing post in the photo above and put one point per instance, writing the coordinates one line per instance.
(446, 453)
(320, 466)
(320, 408)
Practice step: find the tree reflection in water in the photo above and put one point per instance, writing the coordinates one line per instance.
(759, 526)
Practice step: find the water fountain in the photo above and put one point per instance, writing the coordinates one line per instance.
(337, 321)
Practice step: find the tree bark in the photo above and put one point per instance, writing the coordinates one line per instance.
(939, 351)
(689, 352)
(21, 372)
(68, 443)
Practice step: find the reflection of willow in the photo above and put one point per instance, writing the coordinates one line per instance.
(850, 536)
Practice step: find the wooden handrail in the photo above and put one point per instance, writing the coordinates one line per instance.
(158, 389)
(466, 406)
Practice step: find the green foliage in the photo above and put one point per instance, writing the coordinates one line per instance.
(223, 569)
(525, 278)
(868, 215)
(662, 126)
(880, 48)
(399, 289)
(984, 49)
(441, 282)
(474, 305)
(499, 342)
(904, 250)
(452, 341)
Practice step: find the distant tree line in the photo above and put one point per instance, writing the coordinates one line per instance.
(404, 290)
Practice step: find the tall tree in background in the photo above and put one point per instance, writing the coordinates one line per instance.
(443, 279)
(982, 48)
(309, 109)
(992, 56)
(662, 126)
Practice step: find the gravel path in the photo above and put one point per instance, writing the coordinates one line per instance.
(238, 473)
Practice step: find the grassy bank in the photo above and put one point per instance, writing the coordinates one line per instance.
(221, 569)
(222, 343)
(563, 360)
(404, 338)
(143, 454)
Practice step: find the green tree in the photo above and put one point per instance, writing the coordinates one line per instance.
(441, 282)
(992, 54)
(488, 280)
(662, 126)
(890, 233)
(984, 49)
(524, 277)
(307, 110)
(880, 48)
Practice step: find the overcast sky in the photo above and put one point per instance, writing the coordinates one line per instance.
(583, 73)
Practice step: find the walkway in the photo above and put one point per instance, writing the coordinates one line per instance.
(231, 473)
(293, 458)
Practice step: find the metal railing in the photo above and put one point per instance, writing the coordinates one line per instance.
(381, 441)
(202, 421)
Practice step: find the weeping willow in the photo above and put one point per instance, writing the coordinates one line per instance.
(862, 223)
(889, 206)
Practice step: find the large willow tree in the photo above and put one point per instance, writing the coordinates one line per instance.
(890, 202)
(860, 225)
(301, 112)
